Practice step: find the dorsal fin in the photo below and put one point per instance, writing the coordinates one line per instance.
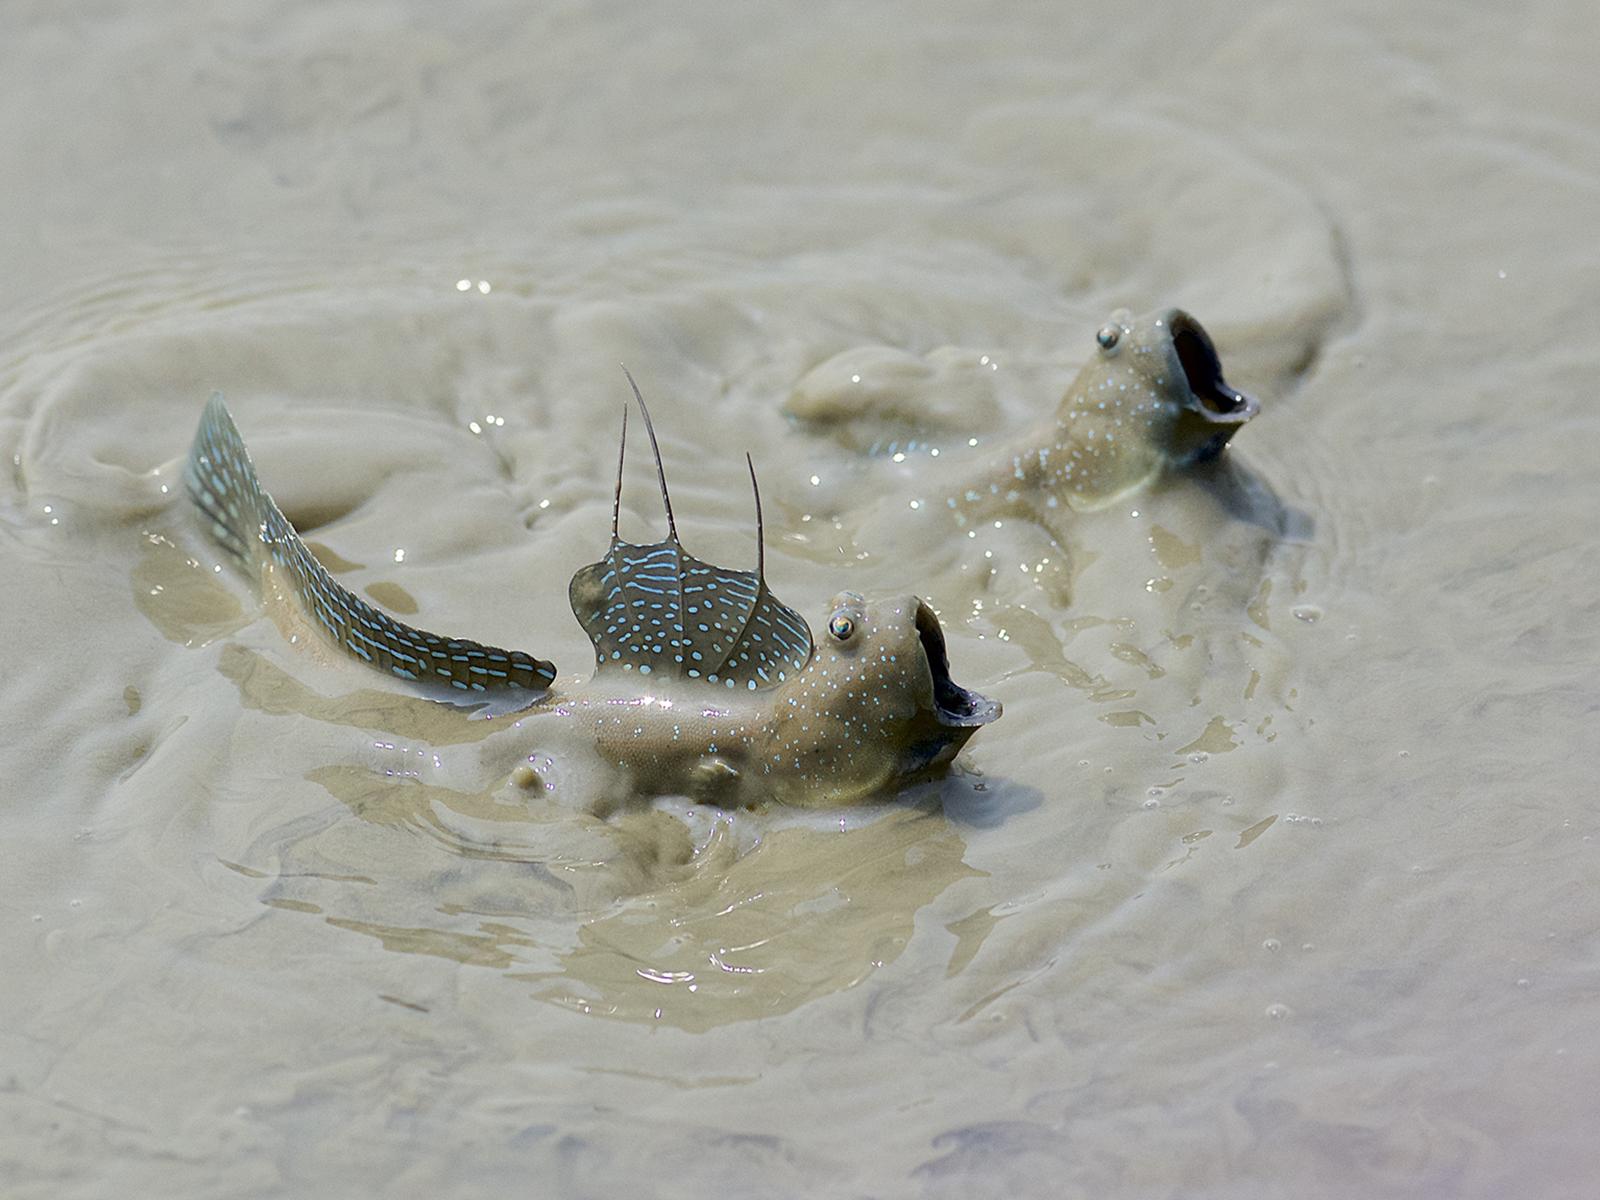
(622, 454)
(761, 538)
(657, 610)
(655, 448)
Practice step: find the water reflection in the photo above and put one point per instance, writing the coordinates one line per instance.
(805, 914)
(755, 920)
(181, 597)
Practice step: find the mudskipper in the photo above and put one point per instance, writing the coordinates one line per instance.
(705, 684)
(1151, 400)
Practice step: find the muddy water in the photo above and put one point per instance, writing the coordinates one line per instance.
(1278, 873)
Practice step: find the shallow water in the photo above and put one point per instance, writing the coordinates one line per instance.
(1278, 873)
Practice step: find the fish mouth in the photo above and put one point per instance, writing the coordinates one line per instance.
(1214, 399)
(953, 705)
(936, 737)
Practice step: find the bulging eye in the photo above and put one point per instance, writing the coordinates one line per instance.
(842, 625)
(1108, 337)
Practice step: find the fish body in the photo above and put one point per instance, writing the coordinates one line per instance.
(871, 710)
(705, 684)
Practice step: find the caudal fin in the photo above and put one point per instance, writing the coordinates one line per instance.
(222, 482)
(246, 522)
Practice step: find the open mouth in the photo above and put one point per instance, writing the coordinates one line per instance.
(1203, 372)
(953, 704)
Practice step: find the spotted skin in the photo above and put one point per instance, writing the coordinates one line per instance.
(247, 523)
(769, 716)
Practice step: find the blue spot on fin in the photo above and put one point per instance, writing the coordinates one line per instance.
(633, 603)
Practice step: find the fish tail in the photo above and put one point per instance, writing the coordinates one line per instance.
(222, 482)
(248, 524)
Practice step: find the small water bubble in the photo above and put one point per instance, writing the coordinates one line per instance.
(1155, 791)
(1227, 801)
(1292, 818)
(1083, 762)
(1309, 613)
(1277, 1012)
(75, 903)
(1272, 945)
(38, 916)
(1152, 803)
(1307, 946)
(1199, 756)
(1405, 754)
(1522, 983)
(1316, 821)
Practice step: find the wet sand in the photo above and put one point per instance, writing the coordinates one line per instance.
(1277, 876)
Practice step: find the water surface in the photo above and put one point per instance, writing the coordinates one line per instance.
(1278, 873)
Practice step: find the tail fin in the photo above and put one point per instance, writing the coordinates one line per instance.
(247, 523)
(222, 482)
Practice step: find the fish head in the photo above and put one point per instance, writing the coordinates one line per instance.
(875, 705)
(1164, 367)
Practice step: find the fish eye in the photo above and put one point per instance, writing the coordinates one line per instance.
(1108, 337)
(842, 625)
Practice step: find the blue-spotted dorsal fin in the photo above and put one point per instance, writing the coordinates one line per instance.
(247, 523)
(658, 610)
